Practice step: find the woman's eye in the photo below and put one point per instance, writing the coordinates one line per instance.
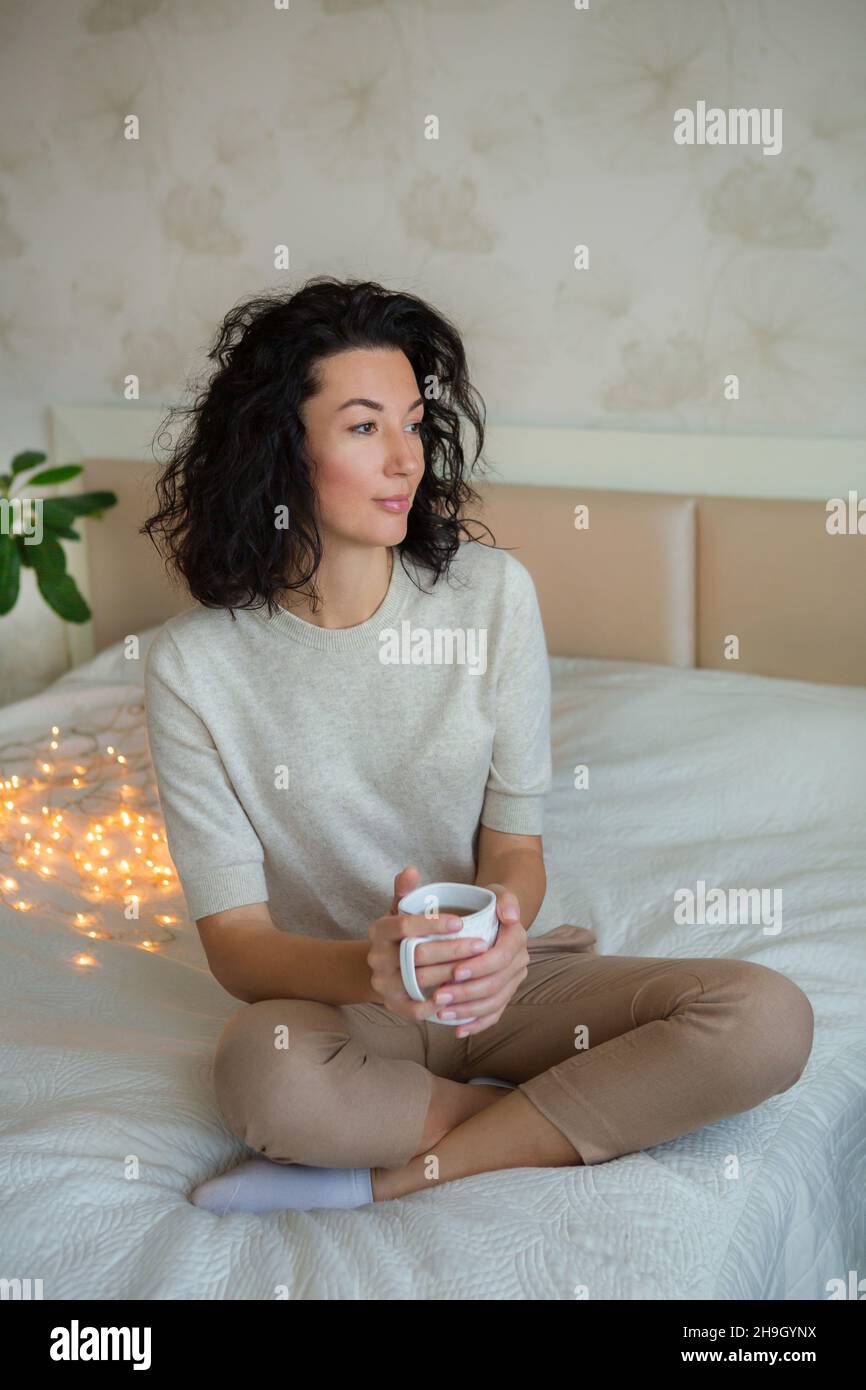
(416, 424)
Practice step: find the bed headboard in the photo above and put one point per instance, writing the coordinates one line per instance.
(671, 579)
(668, 575)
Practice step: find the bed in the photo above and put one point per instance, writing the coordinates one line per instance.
(107, 1066)
(697, 773)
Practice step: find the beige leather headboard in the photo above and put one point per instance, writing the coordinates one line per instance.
(654, 577)
(669, 579)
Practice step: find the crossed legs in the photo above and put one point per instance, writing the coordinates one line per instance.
(611, 1055)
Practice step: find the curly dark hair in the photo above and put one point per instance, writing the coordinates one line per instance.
(241, 453)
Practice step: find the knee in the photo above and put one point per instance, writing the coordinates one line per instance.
(269, 1069)
(776, 1023)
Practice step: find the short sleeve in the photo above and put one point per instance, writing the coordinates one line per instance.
(520, 767)
(218, 856)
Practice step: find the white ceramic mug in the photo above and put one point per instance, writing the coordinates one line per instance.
(483, 922)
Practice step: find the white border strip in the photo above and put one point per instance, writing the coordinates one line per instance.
(706, 465)
(77, 433)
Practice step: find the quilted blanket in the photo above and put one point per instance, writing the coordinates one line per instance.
(664, 780)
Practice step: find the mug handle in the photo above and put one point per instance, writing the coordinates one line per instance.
(407, 966)
(410, 979)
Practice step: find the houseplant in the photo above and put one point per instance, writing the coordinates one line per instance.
(46, 557)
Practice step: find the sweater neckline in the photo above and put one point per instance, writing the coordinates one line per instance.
(344, 639)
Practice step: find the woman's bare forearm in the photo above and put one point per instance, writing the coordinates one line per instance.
(521, 870)
(274, 964)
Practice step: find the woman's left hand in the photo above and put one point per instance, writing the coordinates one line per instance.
(482, 986)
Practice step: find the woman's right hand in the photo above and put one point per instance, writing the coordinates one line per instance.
(434, 960)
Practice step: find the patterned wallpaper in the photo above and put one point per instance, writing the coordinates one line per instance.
(264, 123)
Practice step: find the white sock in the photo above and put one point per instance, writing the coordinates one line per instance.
(257, 1184)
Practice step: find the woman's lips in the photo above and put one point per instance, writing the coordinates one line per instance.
(399, 504)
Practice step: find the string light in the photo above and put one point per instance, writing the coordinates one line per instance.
(88, 822)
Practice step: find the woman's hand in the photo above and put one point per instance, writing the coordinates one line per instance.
(435, 961)
(492, 977)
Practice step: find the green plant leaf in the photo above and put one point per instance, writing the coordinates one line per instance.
(62, 594)
(56, 586)
(63, 533)
(56, 475)
(28, 459)
(49, 557)
(56, 510)
(83, 503)
(10, 573)
(5, 480)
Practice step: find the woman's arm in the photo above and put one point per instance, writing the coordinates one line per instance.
(252, 959)
(517, 861)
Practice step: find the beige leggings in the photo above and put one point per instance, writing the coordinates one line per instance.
(619, 1052)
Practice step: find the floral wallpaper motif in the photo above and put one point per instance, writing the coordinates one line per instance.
(307, 127)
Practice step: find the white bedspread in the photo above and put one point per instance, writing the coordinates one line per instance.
(738, 781)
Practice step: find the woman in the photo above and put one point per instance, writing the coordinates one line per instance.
(311, 742)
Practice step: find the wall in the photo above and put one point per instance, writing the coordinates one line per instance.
(262, 126)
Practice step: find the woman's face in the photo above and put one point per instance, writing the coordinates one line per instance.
(363, 437)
